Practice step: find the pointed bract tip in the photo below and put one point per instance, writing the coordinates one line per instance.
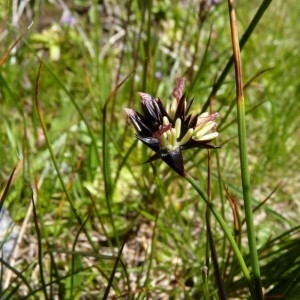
(145, 96)
(130, 112)
(179, 86)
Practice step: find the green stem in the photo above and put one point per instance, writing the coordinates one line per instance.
(205, 285)
(243, 153)
(247, 200)
(224, 227)
(260, 12)
(52, 155)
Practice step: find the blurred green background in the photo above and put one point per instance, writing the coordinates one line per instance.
(101, 194)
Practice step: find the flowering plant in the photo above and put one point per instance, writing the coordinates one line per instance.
(169, 130)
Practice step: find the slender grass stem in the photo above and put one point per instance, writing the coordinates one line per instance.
(243, 153)
(107, 158)
(107, 175)
(260, 12)
(55, 163)
(212, 246)
(205, 284)
(225, 228)
(40, 249)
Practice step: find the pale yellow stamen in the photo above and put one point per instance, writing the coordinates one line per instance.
(178, 127)
(173, 139)
(187, 136)
(203, 128)
(171, 108)
(207, 137)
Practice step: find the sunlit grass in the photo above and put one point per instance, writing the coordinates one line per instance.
(158, 215)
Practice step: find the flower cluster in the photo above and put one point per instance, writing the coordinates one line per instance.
(169, 130)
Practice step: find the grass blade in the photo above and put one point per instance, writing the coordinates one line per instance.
(245, 176)
(260, 12)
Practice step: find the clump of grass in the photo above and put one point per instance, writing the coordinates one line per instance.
(93, 220)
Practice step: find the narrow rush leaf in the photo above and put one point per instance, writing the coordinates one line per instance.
(225, 228)
(106, 154)
(56, 166)
(247, 34)
(243, 154)
(7, 53)
(5, 192)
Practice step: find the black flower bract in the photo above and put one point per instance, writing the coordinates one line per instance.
(169, 129)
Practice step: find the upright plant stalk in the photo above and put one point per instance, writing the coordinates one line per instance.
(212, 247)
(225, 228)
(40, 249)
(107, 159)
(243, 153)
(260, 12)
(51, 152)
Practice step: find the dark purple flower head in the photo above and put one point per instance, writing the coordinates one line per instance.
(169, 130)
